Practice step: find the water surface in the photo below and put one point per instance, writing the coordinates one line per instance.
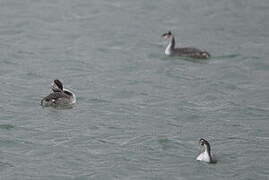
(139, 114)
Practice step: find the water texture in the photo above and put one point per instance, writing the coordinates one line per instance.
(139, 115)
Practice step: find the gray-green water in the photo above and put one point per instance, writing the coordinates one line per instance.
(139, 114)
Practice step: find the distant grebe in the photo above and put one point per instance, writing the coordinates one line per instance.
(185, 52)
(206, 155)
(59, 96)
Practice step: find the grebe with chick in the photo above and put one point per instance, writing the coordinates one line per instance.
(206, 154)
(59, 96)
(171, 50)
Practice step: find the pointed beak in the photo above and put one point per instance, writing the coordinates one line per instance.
(164, 35)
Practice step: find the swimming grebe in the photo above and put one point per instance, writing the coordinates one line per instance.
(185, 52)
(59, 96)
(206, 155)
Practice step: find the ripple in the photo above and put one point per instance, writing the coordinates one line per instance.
(6, 126)
(229, 56)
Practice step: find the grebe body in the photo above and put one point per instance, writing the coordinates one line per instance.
(171, 50)
(59, 96)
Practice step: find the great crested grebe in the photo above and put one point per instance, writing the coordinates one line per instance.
(59, 96)
(206, 154)
(185, 51)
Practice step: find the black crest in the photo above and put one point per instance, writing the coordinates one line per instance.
(58, 84)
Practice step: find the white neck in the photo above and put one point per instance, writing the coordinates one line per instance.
(171, 45)
(204, 156)
(168, 49)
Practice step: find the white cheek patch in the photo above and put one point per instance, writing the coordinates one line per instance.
(166, 37)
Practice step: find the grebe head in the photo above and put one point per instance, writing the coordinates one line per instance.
(167, 35)
(205, 144)
(57, 86)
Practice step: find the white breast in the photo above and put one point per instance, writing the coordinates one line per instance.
(168, 50)
(204, 156)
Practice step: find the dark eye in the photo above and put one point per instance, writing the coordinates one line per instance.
(202, 142)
